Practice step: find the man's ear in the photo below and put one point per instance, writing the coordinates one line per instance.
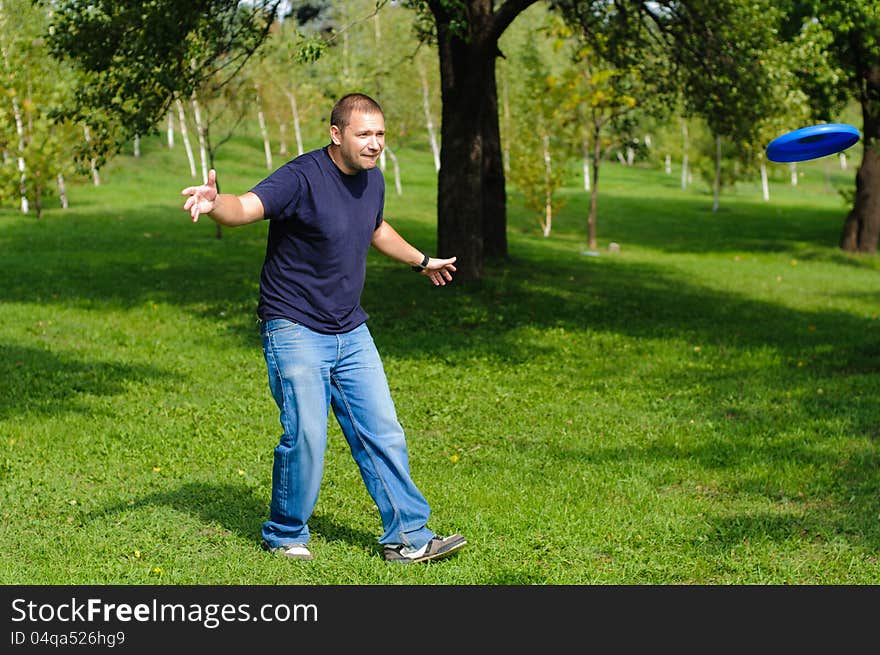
(335, 135)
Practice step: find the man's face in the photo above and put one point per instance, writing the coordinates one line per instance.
(360, 143)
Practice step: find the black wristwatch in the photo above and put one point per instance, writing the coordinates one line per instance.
(421, 267)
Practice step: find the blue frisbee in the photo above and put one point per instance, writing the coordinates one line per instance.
(812, 142)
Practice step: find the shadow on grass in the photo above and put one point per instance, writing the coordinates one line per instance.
(41, 382)
(234, 507)
(120, 263)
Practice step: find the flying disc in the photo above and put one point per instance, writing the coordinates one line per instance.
(812, 142)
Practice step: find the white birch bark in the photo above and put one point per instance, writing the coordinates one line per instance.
(19, 125)
(586, 159)
(170, 130)
(62, 191)
(96, 177)
(621, 158)
(261, 117)
(429, 122)
(548, 191)
(685, 176)
(792, 168)
(22, 169)
(282, 145)
(200, 130)
(668, 165)
(137, 145)
(843, 161)
(716, 186)
(296, 128)
(765, 185)
(184, 134)
(393, 157)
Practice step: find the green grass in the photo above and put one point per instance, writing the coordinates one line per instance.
(697, 408)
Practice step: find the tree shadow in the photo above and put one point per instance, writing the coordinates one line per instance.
(236, 508)
(42, 382)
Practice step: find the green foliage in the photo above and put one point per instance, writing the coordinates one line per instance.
(708, 53)
(33, 85)
(124, 87)
(452, 14)
(539, 143)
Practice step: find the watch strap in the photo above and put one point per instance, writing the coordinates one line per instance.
(421, 267)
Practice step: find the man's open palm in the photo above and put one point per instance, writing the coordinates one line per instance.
(201, 198)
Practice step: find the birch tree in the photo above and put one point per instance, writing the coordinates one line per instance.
(535, 120)
(6, 45)
(125, 88)
(847, 33)
(30, 84)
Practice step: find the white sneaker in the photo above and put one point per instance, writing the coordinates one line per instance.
(291, 551)
(436, 548)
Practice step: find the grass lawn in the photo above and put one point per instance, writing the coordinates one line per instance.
(699, 407)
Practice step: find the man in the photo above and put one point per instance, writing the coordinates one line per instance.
(326, 209)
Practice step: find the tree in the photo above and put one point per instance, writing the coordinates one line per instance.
(31, 84)
(471, 195)
(536, 131)
(125, 89)
(714, 53)
(848, 30)
(711, 56)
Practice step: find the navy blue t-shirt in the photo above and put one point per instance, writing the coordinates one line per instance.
(321, 224)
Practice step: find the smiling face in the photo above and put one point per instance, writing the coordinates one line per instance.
(356, 146)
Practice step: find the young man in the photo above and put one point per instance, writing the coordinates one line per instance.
(326, 209)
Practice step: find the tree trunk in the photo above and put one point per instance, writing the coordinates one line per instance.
(296, 128)
(592, 242)
(19, 125)
(397, 184)
(62, 191)
(862, 226)
(716, 185)
(200, 130)
(684, 156)
(494, 191)
(429, 121)
(181, 117)
(264, 132)
(96, 177)
(586, 158)
(548, 186)
(282, 135)
(765, 185)
(471, 197)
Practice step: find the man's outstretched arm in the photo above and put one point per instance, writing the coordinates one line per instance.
(224, 208)
(387, 241)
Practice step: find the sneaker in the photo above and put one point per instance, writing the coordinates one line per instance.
(436, 548)
(291, 551)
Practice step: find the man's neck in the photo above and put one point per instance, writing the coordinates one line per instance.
(333, 152)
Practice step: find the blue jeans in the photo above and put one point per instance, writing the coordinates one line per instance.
(309, 373)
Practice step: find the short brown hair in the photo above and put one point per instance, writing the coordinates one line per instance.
(342, 110)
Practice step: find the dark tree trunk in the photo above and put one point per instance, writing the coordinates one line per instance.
(494, 192)
(471, 197)
(862, 226)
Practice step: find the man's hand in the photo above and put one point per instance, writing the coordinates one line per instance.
(201, 198)
(440, 270)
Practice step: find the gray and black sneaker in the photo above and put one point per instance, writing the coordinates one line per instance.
(436, 548)
(291, 551)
